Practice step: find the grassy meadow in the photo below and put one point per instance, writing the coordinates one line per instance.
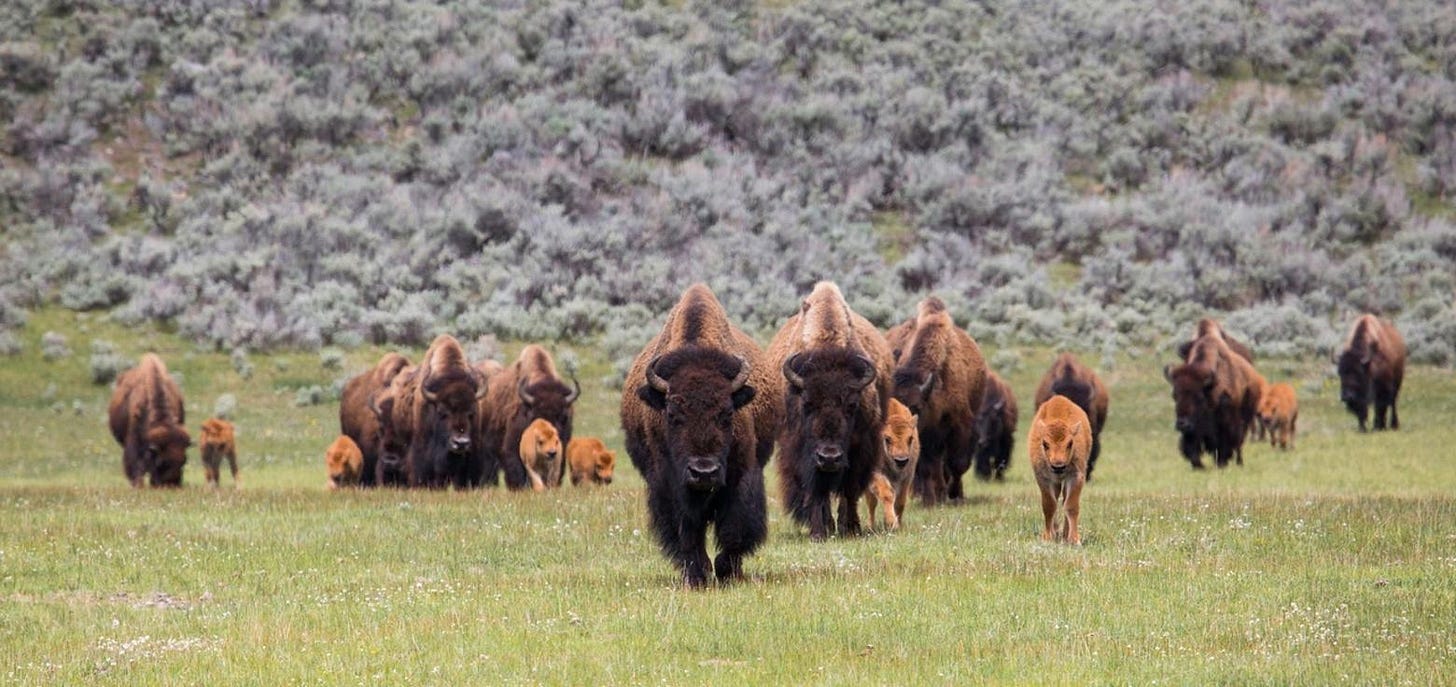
(1333, 563)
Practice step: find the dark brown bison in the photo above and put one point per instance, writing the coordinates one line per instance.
(441, 419)
(1069, 377)
(393, 443)
(1214, 399)
(941, 376)
(524, 391)
(838, 370)
(147, 419)
(358, 421)
(1372, 367)
(700, 410)
(1211, 327)
(995, 429)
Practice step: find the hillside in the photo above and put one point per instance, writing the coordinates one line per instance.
(262, 174)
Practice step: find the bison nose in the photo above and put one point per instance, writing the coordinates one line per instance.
(458, 444)
(1183, 424)
(551, 454)
(902, 461)
(606, 480)
(828, 457)
(702, 471)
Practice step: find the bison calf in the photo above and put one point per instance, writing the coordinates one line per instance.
(590, 461)
(1060, 443)
(344, 462)
(893, 480)
(1278, 411)
(540, 451)
(217, 444)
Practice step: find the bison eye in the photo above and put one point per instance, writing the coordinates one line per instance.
(1045, 446)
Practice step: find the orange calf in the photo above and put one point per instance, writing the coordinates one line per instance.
(1060, 441)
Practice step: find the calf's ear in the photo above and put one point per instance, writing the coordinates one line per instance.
(652, 397)
(743, 396)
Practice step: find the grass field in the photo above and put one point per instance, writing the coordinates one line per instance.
(1334, 563)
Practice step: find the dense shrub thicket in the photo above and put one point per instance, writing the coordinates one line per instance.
(329, 172)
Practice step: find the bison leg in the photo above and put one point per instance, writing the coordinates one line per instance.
(232, 458)
(1192, 450)
(849, 524)
(1003, 458)
(958, 456)
(741, 526)
(1096, 451)
(1048, 511)
(1073, 495)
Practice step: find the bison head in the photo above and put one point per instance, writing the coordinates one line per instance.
(450, 404)
(1193, 402)
(825, 388)
(390, 449)
(548, 400)
(1055, 446)
(697, 390)
(1354, 368)
(902, 444)
(989, 420)
(913, 388)
(167, 453)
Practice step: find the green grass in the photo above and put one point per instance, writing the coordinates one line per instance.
(1332, 563)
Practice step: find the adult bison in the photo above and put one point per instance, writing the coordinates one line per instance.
(357, 419)
(1372, 366)
(995, 429)
(700, 410)
(432, 414)
(147, 419)
(1069, 377)
(838, 369)
(1210, 327)
(941, 376)
(393, 445)
(1214, 399)
(527, 390)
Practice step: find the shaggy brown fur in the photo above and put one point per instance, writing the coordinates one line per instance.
(218, 442)
(995, 429)
(440, 419)
(590, 461)
(1211, 327)
(891, 484)
(1069, 377)
(838, 370)
(394, 438)
(528, 389)
(941, 377)
(1215, 399)
(1372, 368)
(540, 451)
(344, 463)
(898, 337)
(1059, 445)
(1279, 411)
(705, 465)
(357, 420)
(147, 418)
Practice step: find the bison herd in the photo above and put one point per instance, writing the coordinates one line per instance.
(851, 412)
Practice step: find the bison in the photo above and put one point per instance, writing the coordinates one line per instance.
(393, 442)
(218, 442)
(344, 463)
(1060, 444)
(838, 370)
(442, 426)
(890, 487)
(1211, 327)
(1278, 412)
(700, 410)
(357, 418)
(1069, 377)
(1214, 398)
(524, 391)
(995, 429)
(1372, 366)
(540, 452)
(147, 418)
(941, 376)
(590, 461)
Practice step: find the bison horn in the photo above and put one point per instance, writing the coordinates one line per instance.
(526, 397)
(576, 391)
(742, 377)
(657, 382)
(929, 382)
(870, 372)
(795, 380)
(425, 385)
(482, 385)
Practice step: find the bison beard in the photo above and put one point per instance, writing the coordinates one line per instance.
(830, 445)
(699, 473)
